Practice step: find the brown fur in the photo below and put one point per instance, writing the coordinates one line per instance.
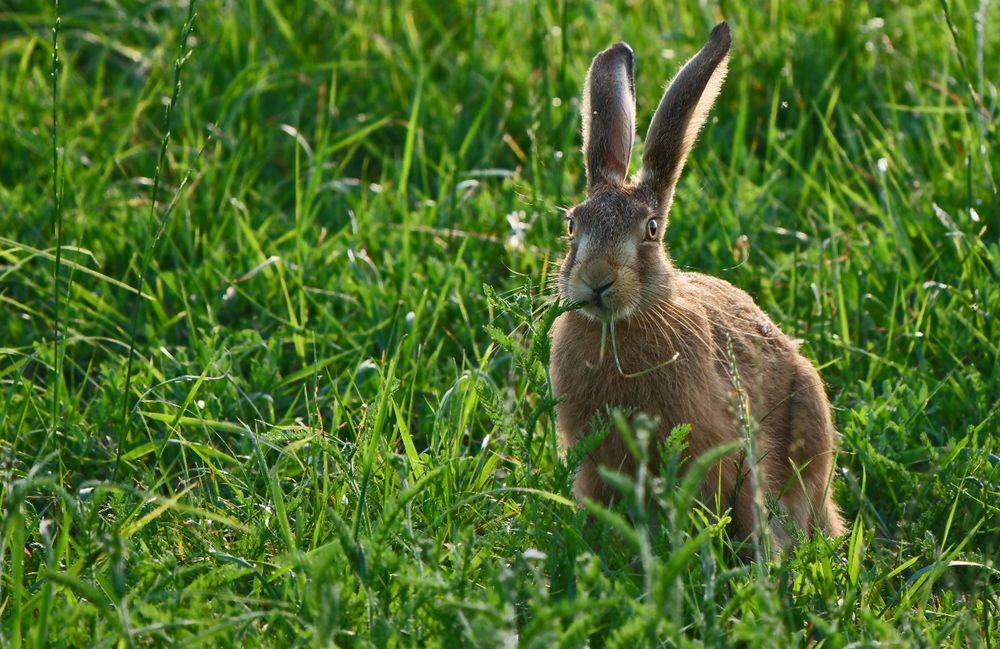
(618, 270)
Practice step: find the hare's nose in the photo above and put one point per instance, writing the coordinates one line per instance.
(600, 289)
(599, 280)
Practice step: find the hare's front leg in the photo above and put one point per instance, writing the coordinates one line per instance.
(611, 453)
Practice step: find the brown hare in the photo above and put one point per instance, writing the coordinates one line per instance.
(683, 341)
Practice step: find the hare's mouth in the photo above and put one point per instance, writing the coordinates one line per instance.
(595, 302)
(597, 310)
(601, 308)
(602, 301)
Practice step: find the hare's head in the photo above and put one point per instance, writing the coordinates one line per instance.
(616, 264)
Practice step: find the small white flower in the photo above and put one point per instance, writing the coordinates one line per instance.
(519, 229)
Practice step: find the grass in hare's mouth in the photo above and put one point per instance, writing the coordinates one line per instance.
(328, 433)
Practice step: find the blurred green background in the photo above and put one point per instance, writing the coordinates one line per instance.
(327, 435)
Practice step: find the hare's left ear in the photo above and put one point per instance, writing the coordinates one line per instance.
(609, 117)
(681, 114)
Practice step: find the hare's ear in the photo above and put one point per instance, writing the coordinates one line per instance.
(681, 114)
(609, 116)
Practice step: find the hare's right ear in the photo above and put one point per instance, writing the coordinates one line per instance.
(681, 114)
(609, 117)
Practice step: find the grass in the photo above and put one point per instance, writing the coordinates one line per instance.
(273, 349)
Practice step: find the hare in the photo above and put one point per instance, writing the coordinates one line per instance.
(689, 348)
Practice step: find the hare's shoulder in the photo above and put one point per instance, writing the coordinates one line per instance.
(730, 311)
(715, 294)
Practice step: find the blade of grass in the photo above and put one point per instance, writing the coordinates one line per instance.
(154, 236)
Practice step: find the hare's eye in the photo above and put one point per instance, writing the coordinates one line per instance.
(570, 227)
(652, 229)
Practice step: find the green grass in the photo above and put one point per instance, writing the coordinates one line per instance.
(272, 370)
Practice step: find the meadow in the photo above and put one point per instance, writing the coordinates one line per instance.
(274, 322)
